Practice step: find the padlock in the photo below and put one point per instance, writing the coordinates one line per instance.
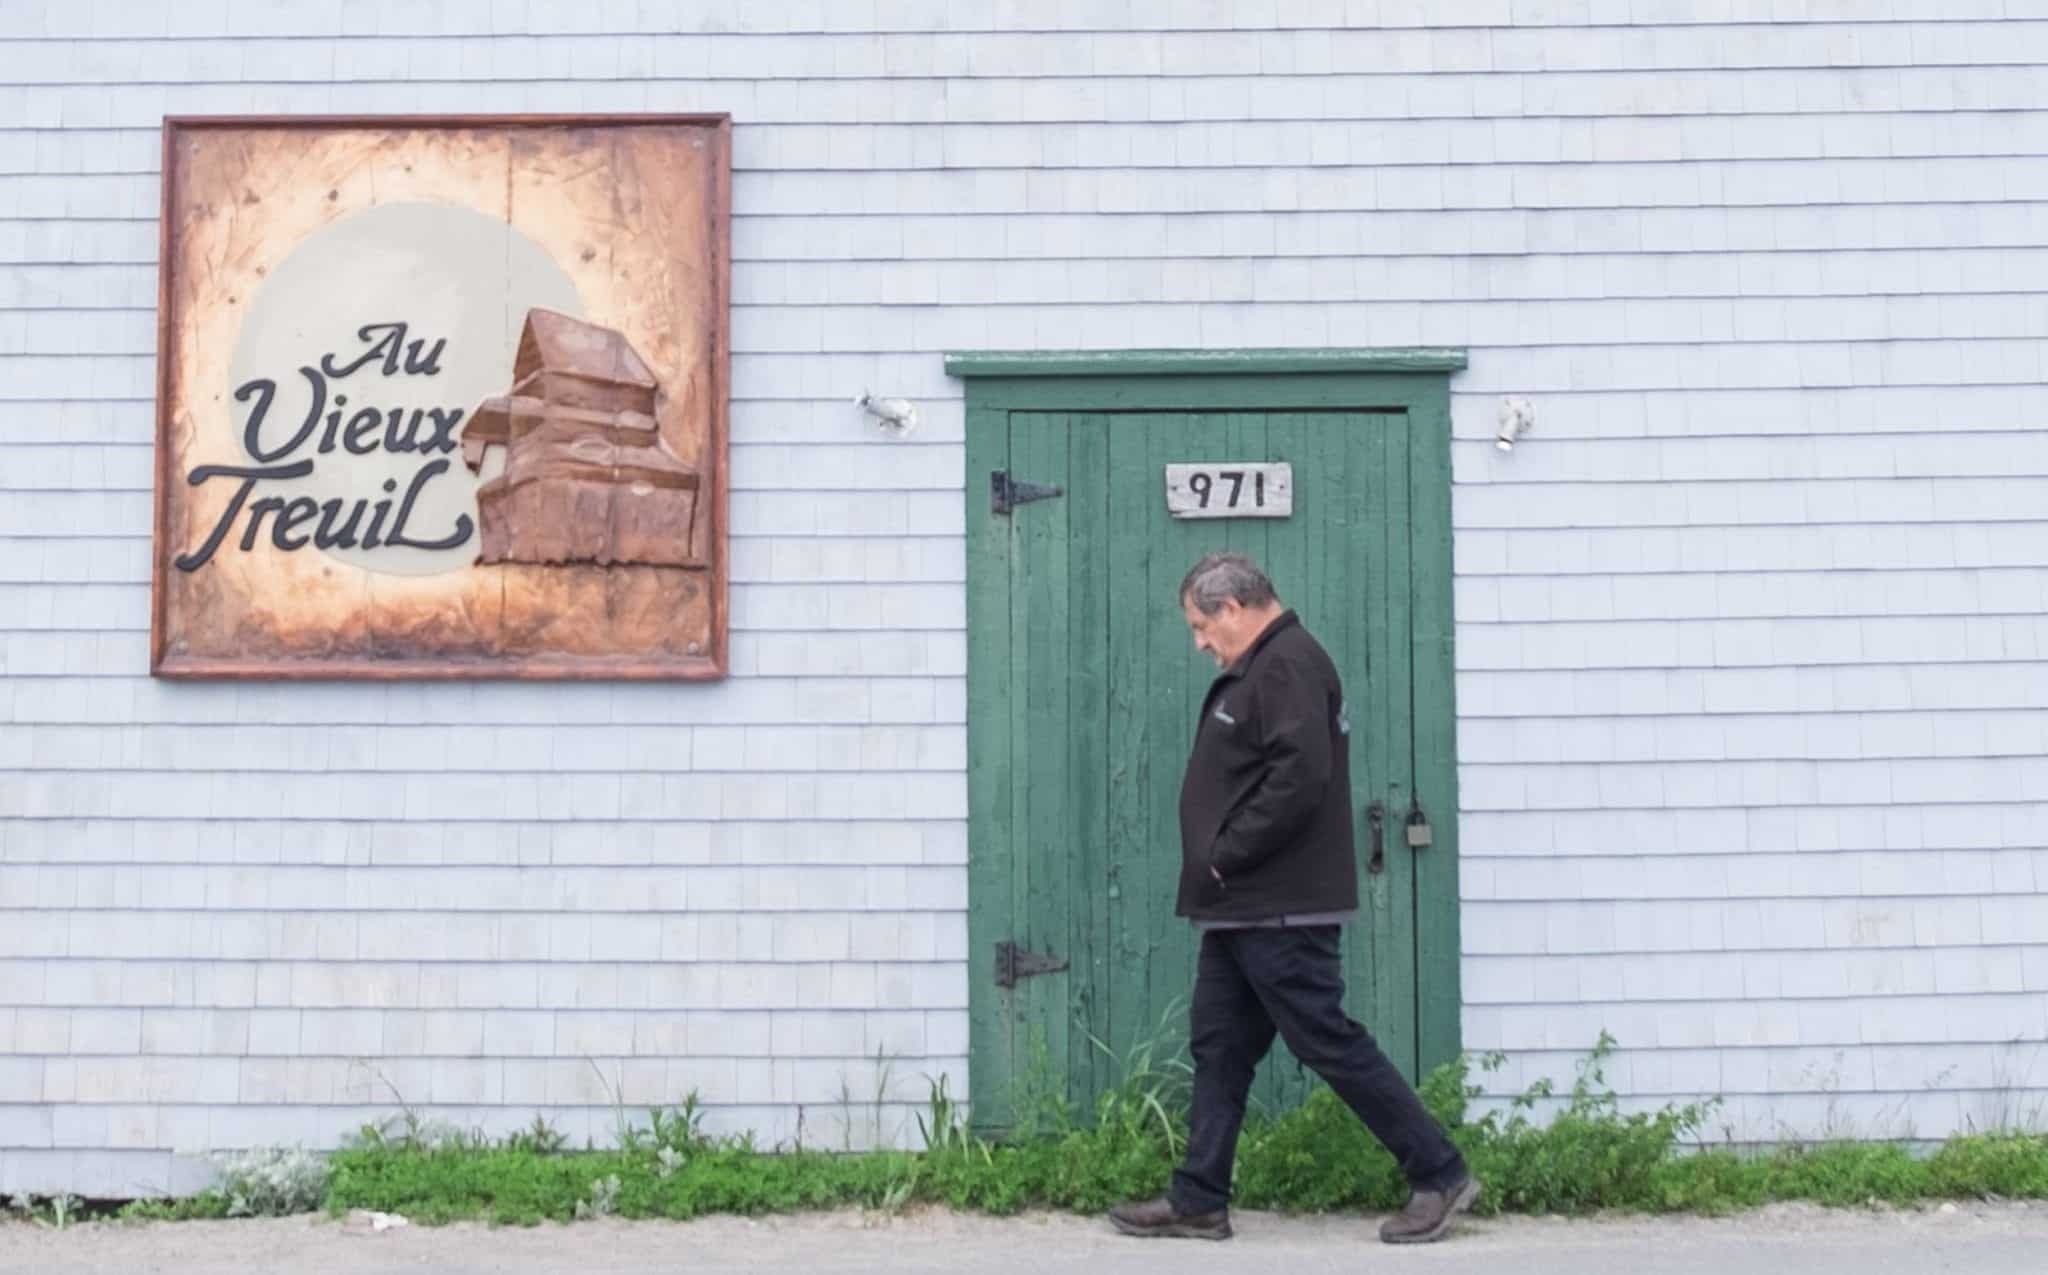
(1418, 829)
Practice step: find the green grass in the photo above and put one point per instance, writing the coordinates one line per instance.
(1570, 1153)
(1588, 1155)
(207, 1204)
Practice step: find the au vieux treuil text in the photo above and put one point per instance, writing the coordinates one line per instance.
(337, 523)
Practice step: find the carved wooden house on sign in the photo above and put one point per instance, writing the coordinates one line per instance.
(443, 398)
(573, 463)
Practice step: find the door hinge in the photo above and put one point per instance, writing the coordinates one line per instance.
(1006, 493)
(1013, 963)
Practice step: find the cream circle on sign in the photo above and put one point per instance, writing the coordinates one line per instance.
(356, 354)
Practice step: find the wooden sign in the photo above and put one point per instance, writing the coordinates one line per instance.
(1230, 490)
(442, 398)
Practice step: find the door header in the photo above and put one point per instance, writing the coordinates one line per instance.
(972, 363)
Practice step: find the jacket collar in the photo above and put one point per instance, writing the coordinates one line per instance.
(1286, 620)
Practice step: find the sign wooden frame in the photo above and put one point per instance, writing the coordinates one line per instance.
(557, 593)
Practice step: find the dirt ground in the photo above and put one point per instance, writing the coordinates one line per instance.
(1975, 1239)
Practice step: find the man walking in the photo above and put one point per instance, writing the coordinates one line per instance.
(1267, 876)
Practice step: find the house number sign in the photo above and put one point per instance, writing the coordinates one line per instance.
(1230, 490)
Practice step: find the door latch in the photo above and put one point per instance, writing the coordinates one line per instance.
(1376, 819)
(1013, 963)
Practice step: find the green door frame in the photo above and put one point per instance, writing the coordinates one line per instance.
(1416, 381)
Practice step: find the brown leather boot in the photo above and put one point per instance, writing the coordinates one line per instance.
(1157, 1218)
(1427, 1215)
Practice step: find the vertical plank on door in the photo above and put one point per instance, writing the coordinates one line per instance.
(992, 1017)
(1354, 577)
(1041, 744)
(1180, 679)
(1088, 672)
(1435, 716)
(1133, 764)
(1354, 461)
(1394, 947)
(1337, 519)
(1282, 1081)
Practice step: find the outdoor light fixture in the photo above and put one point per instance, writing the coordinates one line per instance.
(1516, 416)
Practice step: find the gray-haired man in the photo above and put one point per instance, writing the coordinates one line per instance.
(1267, 875)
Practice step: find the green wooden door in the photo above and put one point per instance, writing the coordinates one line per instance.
(1084, 686)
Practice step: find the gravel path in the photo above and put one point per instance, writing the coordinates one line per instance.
(2002, 1239)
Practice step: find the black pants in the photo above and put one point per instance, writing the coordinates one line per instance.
(1248, 984)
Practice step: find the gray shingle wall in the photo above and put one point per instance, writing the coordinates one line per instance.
(1750, 635)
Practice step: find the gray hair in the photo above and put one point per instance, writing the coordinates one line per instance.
(1226, 575)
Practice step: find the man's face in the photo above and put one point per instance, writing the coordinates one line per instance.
(1223, 635)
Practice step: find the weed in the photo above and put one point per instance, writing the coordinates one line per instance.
(272, 1182)
(1038, 1093)
(947, 1130)
(2005, 1112)
(1152, 1091)
(876, 1104)
(59, 1212)
(679, 1129)
(603, 1201)
(206, 1204)
(538, 1138)
(1590, 1155)
(407, 1130)
(898, 1193)
(625, 1135)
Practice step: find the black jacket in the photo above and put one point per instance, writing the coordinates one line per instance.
(1267, 796)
